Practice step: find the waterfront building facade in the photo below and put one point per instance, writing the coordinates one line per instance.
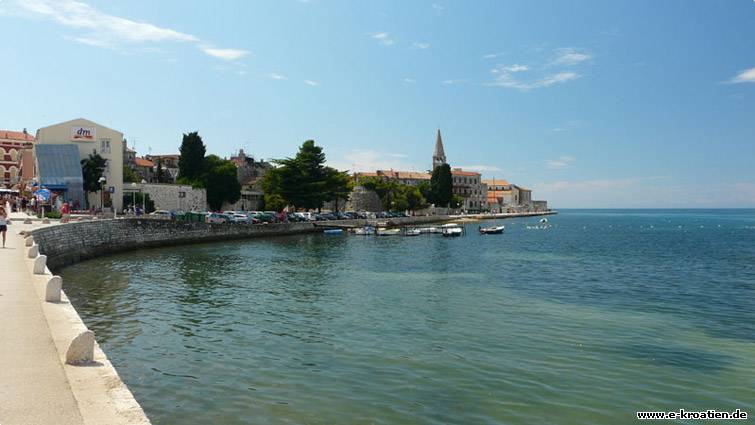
(469, 185)
(13, 147)
(90, 138)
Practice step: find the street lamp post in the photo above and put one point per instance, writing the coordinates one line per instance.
(102, 181)
(144, 205)
(133, 196)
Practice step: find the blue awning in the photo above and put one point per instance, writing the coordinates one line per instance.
(59, 168)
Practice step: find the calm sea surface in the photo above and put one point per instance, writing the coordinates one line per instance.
(603, 314)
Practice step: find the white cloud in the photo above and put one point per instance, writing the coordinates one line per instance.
(108, 31)
(420, 46)
(492, 55)
(569, 57)
(561, 162)
(225, 54)
(311, 83)
(439, 7)
(275, 76)
(383, 38)
(506, 79)
(456, 81)
(408, 80)
(745, 76)
(517, 68)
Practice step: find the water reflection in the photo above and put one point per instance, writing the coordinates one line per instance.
(554, 326)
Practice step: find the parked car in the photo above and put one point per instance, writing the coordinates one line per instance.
(216, 218)
(240, 218)
(162, 214)
(263, 218)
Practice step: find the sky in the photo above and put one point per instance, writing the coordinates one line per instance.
(595, 104)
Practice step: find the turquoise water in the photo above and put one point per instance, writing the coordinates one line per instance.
(603, 314)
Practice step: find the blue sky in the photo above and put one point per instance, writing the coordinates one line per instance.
(589, 103)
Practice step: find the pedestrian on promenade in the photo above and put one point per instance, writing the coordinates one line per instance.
(3, 223)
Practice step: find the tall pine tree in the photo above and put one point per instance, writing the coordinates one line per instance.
(191, 164)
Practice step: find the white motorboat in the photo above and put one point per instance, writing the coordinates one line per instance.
(543, 220)
(492, 230)
(451, 230)
(387, 232)
(366, 230)
(412, 232)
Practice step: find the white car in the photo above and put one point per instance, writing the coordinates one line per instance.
(216, 218)
(162, 214)
(239, 218)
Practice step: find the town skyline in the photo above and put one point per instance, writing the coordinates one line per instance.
(610, 112)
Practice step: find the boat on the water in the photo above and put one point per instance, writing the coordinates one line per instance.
(387, 232)
(543, 220)
(492, 230)
(333, 231)
(451, 230)
(412, 232)
(366, 230)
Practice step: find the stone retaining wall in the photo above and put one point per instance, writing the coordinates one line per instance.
(69, 243)
(73, 242)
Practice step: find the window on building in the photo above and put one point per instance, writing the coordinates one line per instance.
(105, 146)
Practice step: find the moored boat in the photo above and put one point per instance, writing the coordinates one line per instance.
(412, 232)
(451, 230)
(492, 230)
(333, 231)
(387, 232)
(366, 230)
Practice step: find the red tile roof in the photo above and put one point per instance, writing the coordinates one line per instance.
(141, 162)
(16, 135)
(460, 172)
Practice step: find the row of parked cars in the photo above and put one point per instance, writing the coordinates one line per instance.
(263, 217)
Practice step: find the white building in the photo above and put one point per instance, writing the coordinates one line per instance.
(91, 138)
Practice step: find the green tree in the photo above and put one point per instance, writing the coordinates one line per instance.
(274, 202)
(191, 164)
(160, 173)
(338, 185)
(457, 201)
(92, 168)
(302, 181)
(219, 179)
(129, 176)
(415, 199)
(441, 186)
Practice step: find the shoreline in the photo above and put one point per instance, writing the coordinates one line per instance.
(99, 395)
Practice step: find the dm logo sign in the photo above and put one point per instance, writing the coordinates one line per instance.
(82, 133)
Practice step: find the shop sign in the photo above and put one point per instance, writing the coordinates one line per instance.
(83, 133)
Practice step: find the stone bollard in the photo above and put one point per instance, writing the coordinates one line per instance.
(81, 350)
(27, 221)
(29, 241)
(45, 221)
(53, 288)
(39, 264)
(33, 251)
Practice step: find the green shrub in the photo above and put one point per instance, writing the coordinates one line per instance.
(53, 214)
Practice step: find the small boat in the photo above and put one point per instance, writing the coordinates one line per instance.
(428, 230)
(451, 230)
(412, 232)
(493, 230)
(333, 231)
(366, 230)
(543, 220)
(387, 232)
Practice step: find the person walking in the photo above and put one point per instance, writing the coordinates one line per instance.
(3, 223)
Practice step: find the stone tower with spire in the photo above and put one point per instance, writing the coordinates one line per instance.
(439, 156)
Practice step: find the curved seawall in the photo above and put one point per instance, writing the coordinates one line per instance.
(73, 242)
